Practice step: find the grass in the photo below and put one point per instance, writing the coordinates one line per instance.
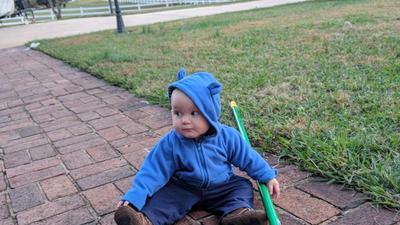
(317, 82)
(87, 3)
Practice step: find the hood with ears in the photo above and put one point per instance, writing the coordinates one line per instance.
(203, 89)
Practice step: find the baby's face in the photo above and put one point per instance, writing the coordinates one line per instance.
(186, 117)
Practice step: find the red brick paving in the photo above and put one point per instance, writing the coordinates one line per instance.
(57, 187)
(334, 194)
(104, 198)
(302, 205)
(70, 145)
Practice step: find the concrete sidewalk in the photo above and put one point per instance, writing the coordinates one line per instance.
(70, 145)
(19, 35)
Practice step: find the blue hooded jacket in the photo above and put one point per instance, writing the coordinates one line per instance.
(202, 163)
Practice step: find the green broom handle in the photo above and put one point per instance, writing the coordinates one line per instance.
(266, 198)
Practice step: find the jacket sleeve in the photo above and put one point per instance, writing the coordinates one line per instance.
(242, 155)
(157, 169)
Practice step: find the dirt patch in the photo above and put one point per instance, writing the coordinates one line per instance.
(283, 90)
(82, 40)
(372, 59)
(341, 97)
(245, 26)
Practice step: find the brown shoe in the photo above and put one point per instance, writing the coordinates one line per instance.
(126, 215)
(245, 216)
(187, 221)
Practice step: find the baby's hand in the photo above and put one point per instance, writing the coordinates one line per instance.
(273, 188)
(122, 203)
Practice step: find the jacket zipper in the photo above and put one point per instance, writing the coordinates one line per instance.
(204, 165)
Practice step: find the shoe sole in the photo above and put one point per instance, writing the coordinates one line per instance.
(122, 217)
(251, 218)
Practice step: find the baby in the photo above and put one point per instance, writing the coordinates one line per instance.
(191, 165)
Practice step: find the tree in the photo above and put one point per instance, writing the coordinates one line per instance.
(42, 2)
(56, 7)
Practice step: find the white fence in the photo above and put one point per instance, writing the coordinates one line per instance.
(13, 21)
(132, 7)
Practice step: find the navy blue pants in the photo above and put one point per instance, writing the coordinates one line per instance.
(176, 199)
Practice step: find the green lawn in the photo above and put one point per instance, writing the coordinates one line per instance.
(318, 82)
(87, 3)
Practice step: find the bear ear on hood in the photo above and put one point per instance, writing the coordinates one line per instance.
(181, 74)
(215, 88)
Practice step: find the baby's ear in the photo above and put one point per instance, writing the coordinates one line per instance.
(181, 74)
(215, 88)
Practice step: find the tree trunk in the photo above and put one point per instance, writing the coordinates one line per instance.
(110, 5)
(59, 4)
(56, 7)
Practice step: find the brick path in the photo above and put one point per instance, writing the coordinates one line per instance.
(70, 144)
